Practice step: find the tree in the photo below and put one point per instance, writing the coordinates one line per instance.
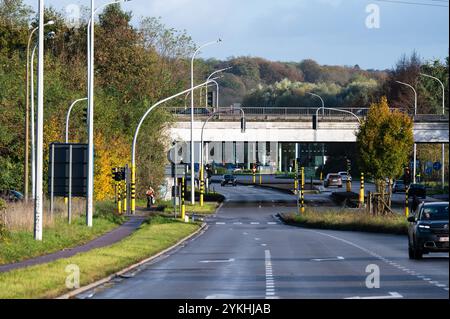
(384, 143)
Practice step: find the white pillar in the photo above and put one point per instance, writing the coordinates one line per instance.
(415, 163)
(280, 156)
(39, 200)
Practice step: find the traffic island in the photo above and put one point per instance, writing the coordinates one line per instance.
(51, 279)
(347, 220)
(346, 199)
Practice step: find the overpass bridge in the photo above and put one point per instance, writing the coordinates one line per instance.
(294, 125)
(275, 136)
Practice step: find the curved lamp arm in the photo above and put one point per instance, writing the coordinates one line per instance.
(338, 110)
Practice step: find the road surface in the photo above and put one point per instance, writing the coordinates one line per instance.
(247, 253)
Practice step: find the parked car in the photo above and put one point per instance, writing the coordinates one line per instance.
(399, 186)
(417, 190)
(428, 230)
(11, 195)
(333, 180)
(345, 176)
(228, 179)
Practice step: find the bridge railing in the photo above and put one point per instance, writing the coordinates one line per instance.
(297, 113)
(274, 113)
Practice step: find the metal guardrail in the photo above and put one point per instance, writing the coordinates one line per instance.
(289, 113)
(273, 113)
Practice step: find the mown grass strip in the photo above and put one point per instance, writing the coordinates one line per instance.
(48, 280)
(17, 246)
(349, 220)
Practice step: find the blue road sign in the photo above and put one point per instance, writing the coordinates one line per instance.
(429, 171)
(437, 166)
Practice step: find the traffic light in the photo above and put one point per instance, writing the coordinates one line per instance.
(210, 99)
(314, 122)
(85, 114)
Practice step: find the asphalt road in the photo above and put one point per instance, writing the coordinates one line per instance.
(247, 253)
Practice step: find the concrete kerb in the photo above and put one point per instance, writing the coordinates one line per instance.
(100, 282)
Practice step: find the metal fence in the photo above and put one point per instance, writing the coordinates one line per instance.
(298, 113)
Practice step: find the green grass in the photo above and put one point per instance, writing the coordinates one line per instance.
(207, 209)
(349, 220)
(48, 280)
(20, 245)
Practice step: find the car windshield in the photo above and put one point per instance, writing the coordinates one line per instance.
(399, 182)
(334, 176)
(435, 212)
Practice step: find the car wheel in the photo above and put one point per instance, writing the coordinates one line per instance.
(418, 254)
(410, 252)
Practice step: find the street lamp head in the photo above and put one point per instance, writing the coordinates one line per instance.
(51, 22)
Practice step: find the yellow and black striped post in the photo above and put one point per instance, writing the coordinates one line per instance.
(119, 198)
(183, 205)
(361, 192)
(202, 187)
(125, 196)
(302, 191)
(133, 189)
(295, 177)
(407, 202)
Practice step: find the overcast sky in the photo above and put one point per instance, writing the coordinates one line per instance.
(328, 31)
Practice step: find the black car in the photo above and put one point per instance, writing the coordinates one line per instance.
(417, 190)
(228, 179)
(428, 229)
(399, 186)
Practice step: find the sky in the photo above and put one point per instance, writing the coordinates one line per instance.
(332, 32)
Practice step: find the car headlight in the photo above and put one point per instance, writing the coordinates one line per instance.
(424, 228)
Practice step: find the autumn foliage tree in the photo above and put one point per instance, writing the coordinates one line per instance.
(384, 143)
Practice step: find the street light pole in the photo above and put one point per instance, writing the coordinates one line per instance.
(443, 113)
(133, 147)
(90, 173)
(243, 129)
(33, 129)
(90, 97)
(38, 204)
(192, 119)
(217, 85)
(27, 116)
(415, 113)
(68, 117)
(29, 71)
(321, 100)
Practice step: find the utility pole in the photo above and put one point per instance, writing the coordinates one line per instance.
(38, 204)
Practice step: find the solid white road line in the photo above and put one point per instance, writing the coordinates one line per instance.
(217, 261)
(329, 259)
(392, 295)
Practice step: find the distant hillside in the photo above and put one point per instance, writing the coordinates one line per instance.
(252, 79)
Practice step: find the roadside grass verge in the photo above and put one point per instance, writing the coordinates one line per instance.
(19, 245)
(207, 209)
(48, 280)
(348, 220)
